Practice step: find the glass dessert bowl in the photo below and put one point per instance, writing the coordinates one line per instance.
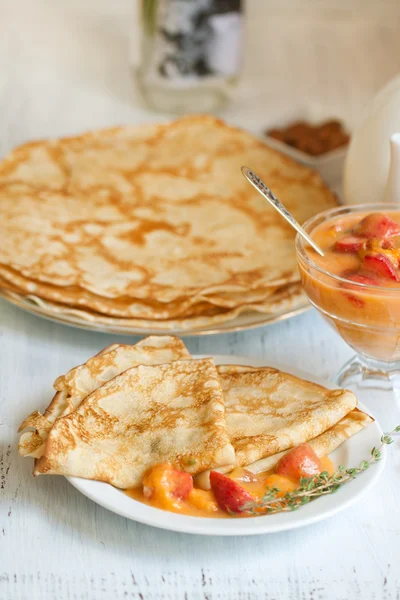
(356, 287)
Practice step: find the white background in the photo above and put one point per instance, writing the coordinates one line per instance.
(64, 68)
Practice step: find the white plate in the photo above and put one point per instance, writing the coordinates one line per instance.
(350, 454)
(248, 320)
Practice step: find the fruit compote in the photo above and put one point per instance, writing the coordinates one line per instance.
(167, 488)
(356, 285)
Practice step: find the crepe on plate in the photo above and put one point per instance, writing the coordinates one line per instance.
(282, 301)
(75, 385)
(323, 445)
(147, 415)
(117, 222)
(100, 404)
(268, 411)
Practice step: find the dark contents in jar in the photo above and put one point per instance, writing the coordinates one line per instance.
(312, 139)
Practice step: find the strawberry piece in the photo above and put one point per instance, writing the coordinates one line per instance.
(229, 495)
(349, 243)
(355, 300)
(380, 264)
(365, 279)
(377, 225)
(358, 278)
(299, 462)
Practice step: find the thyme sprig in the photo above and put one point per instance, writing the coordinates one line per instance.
(314, 487)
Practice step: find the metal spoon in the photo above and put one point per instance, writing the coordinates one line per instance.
(272, 199)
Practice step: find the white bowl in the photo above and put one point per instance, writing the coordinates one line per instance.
(329, 165)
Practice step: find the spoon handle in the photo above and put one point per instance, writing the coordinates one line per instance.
(272, 199)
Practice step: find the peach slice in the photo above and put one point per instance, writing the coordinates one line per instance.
(377, 225)
(299, 462)
(166, 486)
(281, 483)
(203, 500)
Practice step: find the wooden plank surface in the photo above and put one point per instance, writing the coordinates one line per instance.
(64, 68)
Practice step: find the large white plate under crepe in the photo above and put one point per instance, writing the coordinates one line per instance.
(349, 454)
(248, 320)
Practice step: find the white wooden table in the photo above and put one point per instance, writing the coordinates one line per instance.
(63, 68)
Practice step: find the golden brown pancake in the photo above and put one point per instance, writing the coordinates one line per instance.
(75, 385)
(323, 445)
(127, 307)
(281, 301)
(107, 409)
(268, 411)
(147, 415)
(154, 213)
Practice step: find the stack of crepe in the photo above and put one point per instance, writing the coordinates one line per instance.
(153, 226)
(131, 407)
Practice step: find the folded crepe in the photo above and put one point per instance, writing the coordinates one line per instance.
(73, 387)
(268, 411)
(323, 445)
(147, 415)
(265, 412)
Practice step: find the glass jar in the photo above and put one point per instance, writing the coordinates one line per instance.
(189, 53)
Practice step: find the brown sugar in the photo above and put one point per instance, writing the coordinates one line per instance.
(312, 139)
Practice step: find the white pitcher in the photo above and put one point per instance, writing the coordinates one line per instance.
(372, 168)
